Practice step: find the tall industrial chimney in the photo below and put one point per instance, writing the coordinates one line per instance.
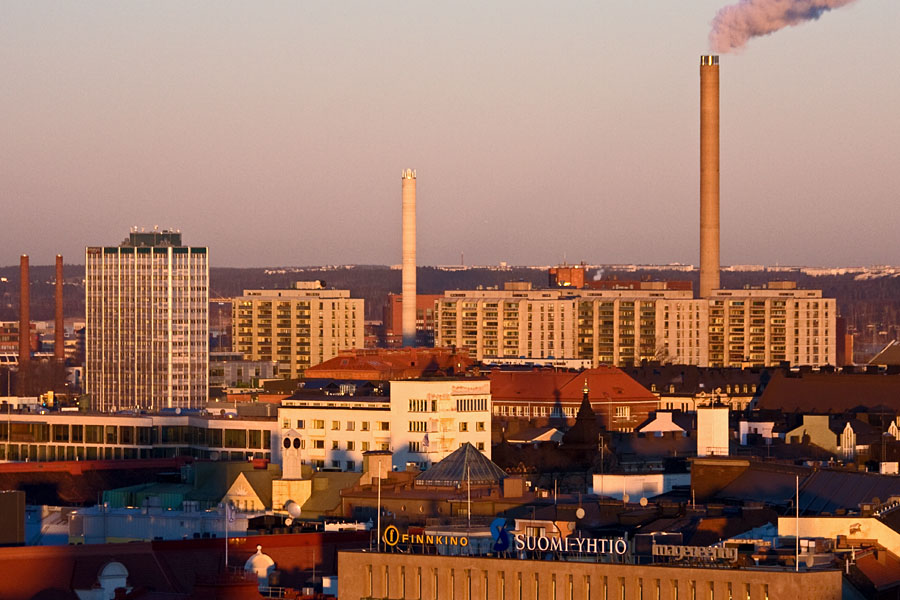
(59, 338)
(24, 327)
(408, 193)
(709, 175)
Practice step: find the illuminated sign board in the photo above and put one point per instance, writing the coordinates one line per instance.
(392, 537)
(543, 543)
(695, 552)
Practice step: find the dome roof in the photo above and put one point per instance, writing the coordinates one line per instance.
(113, 569)
(259, 562)
(465, 465)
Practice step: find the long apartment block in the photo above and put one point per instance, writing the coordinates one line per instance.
(732, 328)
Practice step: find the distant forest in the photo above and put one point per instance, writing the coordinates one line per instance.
(870, 306)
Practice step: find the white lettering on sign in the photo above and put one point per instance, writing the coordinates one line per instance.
(703, 552)
(587, 545)
(470, 389)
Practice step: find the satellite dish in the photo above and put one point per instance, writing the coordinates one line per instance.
(643, 502)
(292, 508)
(289, 521)
(579, 514)
(625, 497)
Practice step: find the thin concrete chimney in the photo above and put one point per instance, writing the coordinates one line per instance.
(709, 175)
(408, 321)
(24, 326)
(59, 338)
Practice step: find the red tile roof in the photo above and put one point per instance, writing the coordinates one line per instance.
(548, 385)
(383, 364)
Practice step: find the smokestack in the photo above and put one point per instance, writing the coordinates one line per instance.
(24, 326)
(408, 321)
(59, 338)
(709, 175)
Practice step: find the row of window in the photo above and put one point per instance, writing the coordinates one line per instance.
(473, 584)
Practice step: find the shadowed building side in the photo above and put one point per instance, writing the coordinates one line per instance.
(709, 175)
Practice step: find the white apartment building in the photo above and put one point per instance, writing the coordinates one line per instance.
(420, 421)
(297, 328)
(766, 327)
(624, 327)
(147, 325)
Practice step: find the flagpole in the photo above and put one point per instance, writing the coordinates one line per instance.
(379, 507)
(468, 498)
(797, 560)
(226, 539)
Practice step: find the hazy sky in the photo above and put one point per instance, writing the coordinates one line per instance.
(275, 132)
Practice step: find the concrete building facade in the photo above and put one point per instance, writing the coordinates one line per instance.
(147, 326)
(373, 575)
(299, 327)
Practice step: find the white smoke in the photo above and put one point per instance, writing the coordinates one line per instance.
(736, 24)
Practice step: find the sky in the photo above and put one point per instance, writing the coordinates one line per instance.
(275, 133)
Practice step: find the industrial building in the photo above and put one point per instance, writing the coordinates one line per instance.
(298, 327)
(147, 338)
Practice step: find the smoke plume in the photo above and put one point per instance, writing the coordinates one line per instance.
(734, 25)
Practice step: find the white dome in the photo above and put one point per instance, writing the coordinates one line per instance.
(113, 569)
(259, 563)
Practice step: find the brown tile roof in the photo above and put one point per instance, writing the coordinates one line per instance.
(883, 574)
(823, 393)
(382, 364)
(548, 385)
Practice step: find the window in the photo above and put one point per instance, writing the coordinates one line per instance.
(351, 465)
(351, 426)
(335, 425)
(418, 426)
(286, 424)
(481, 446)
(318, 424)
(336, 464)
(364, 426)
(319, 444)
(334, 445)
(623, 412)
(365, 446)
(301, 424)
(479, 426)
(384, 426)
(463, 426)
(351, 445)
